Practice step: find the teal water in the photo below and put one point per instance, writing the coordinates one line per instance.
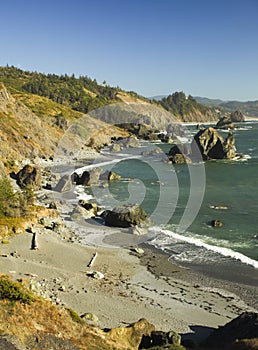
(231, 184)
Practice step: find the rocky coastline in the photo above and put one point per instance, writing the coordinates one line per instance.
(110, 286)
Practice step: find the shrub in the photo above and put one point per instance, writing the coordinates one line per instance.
(74, 316)
(14, 291)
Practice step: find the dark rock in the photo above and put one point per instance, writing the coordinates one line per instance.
(29, 176)
(244, 326)
(110, 176)
(212, 146)
(178, 155)
(225, 123)
(159, 338)
(64, 184)
(92, 208)
(87, 178)
(216, 223)
(125, 216)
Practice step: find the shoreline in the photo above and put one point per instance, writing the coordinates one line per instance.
(134, 286)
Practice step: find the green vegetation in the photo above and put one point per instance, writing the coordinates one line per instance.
(14, 291)
(180, 105)
(81, 94)
(13, 205)
(74, 316)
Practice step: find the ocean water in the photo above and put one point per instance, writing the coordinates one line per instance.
(221, 189)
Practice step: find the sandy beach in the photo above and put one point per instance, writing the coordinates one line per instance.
(134, 285)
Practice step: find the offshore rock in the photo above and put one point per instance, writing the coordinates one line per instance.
(110, 176)
(225, 123)
(179, 155)
(212, 146)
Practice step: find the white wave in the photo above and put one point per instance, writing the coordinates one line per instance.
(97, 165)
(81, 194)
(199, 243)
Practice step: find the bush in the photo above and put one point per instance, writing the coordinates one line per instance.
(74, 316)
(14, 291)
(13, 204)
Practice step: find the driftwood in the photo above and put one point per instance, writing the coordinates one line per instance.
(92, 260)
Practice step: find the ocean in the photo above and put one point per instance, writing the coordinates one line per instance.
(182, 200)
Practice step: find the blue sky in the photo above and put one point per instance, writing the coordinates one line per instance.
(154, 47)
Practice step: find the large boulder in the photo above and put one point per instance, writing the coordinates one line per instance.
(87, 178)
(131, 336)
(126, 215)
(244, 326)
(29, 176)
(109, 175)
(178, 155)
(160, 338)
(211, 145)
(64, 184)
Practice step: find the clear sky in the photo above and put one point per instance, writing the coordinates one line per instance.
(202, 47)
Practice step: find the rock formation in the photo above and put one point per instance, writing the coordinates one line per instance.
(87, 178)
(29, 176)
(126, 215)
(244, 326)
(64, 184)
(212, 146)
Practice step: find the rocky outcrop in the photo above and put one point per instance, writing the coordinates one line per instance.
(132, 335)
(212, 146)
(244, 326)
(91, 208)
(126, 215)
(87, 178)
(180, 155)
(159, 338)
(110, 176)
(29, 176)
(225, 123)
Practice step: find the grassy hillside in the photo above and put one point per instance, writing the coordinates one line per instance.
(82, 94)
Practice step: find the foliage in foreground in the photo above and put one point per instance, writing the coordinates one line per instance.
(14, 291)
(13, 204)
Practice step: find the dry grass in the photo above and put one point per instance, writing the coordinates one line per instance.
(23, 319)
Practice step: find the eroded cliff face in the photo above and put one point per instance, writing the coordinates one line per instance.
(25, 135)
(199, 117)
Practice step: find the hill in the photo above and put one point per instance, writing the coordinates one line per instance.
(32, 127)
(84, 94)
(249, 108)
(187, 109)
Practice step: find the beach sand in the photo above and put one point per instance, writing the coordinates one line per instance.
(134, 286)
